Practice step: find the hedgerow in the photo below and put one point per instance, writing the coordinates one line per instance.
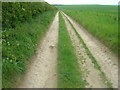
(18, 12)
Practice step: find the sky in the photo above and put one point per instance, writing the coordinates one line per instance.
(67, 2)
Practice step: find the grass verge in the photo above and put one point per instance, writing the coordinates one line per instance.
(96, 65)
(20, 44)
(69, 75)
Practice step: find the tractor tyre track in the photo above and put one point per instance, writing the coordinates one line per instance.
(105, 58)
(90, 74)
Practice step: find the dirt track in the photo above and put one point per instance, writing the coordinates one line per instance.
(42, 71)
(85, 62)
(106, 59)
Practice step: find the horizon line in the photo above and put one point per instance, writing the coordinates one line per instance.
(85, 4)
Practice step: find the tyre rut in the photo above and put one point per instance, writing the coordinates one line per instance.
(106, 59)
(90, 74)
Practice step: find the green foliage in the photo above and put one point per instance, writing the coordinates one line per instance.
(19, 12)
(69, 75)
(19, 45)
(100, 20)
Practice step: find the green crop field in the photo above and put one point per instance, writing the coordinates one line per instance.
(100, 20)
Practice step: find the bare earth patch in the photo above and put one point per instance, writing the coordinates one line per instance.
(42, 71)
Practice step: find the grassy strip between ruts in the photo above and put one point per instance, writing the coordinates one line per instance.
(97, 66)
(20, 44)
(69, 75)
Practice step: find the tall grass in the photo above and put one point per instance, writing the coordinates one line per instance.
(69, 75)
(19, 45)
(100, 20)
